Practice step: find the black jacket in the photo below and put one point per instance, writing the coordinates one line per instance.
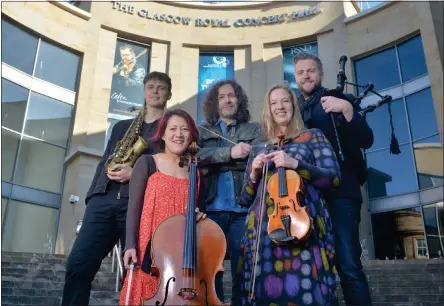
(354, 136)
(101, 181)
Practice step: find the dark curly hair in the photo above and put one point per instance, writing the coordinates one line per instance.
(211, 102)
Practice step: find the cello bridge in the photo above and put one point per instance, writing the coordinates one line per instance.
(188, 293)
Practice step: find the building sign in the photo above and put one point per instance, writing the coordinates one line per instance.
(212, 68)
(289, 53)
(130, 68)
(217, 22)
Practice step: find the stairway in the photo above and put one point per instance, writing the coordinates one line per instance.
(37, 279)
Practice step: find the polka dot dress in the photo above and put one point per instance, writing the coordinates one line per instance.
(296, 275)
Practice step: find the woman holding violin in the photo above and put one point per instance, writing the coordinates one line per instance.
(287, 249)
(159, 189)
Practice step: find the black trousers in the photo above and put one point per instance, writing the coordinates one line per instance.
(103, 225)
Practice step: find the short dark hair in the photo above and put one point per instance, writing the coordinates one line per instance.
(161, 127)
(305, 56)
(211, 102)
(160, 76)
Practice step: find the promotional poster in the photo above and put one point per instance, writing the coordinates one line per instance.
(212, 68)
(130, 67)
(289, 53)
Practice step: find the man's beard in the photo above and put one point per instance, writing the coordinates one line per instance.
(228, 114)
(315, 89)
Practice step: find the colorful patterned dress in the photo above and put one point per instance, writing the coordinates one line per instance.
(296, 275)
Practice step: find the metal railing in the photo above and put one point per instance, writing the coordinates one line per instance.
(116, 256)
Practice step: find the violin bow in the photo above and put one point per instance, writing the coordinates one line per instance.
(220, 136)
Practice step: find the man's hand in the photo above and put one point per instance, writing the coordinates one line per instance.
(123, 175)
(335, 105)
(241, 150)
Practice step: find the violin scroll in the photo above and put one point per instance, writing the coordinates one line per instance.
(190, 154)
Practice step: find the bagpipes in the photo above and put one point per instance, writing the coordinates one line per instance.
(337, 118)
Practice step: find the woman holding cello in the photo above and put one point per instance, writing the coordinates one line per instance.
(287, 249)
(163, 239)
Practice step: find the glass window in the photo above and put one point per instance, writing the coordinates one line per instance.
(10, 141)
(23, 219)
(380, 68)
(40, 165)
(390, 174)
(429, 162)
(111, 123)
(434, 226)
(412, 59)
(48, 119)
(379, 121)
(56, 65)
(422, 115)
(4, 205)
(18, 47)
(395, 232)
(14, 98)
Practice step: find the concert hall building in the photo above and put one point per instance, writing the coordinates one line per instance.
(66, 81)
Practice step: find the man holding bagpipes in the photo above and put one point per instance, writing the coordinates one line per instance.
(339, 118)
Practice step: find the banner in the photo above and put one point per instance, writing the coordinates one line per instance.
(130, 67)
(212, 68)
(289, 53)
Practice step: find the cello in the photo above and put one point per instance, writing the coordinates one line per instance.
(187, 255)
(290, 222)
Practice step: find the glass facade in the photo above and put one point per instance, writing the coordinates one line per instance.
(36, 127)
(401, 72)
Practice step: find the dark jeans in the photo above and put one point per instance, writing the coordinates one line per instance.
(346, 216)
(233, 226)
(102, 226)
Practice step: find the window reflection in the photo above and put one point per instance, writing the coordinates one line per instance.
(422, 115)
(40, 165)
(429, 162)
(14, 98)
(380, 68)
(390, 174)
(396, 234)
(379, 121)
(111, 123)
(48, 119)
(24, 219)
(434, 226)
(18, 47)
(57, 66)
(10, 141)
(412, 59)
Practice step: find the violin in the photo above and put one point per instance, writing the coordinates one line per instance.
(290, 222)
(186, 255)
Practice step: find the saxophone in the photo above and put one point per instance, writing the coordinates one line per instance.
(130, 147)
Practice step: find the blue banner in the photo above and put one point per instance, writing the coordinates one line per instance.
(289, 53)
(212, 68)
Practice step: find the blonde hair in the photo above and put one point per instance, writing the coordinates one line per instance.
(270, 129)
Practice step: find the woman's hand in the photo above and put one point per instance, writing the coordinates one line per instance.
(130, 255)
(257, 165)
(282, 160)
(200, 215)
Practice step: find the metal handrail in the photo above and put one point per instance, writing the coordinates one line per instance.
(119, 271)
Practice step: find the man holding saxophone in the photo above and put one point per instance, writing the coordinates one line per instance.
(104, 222)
